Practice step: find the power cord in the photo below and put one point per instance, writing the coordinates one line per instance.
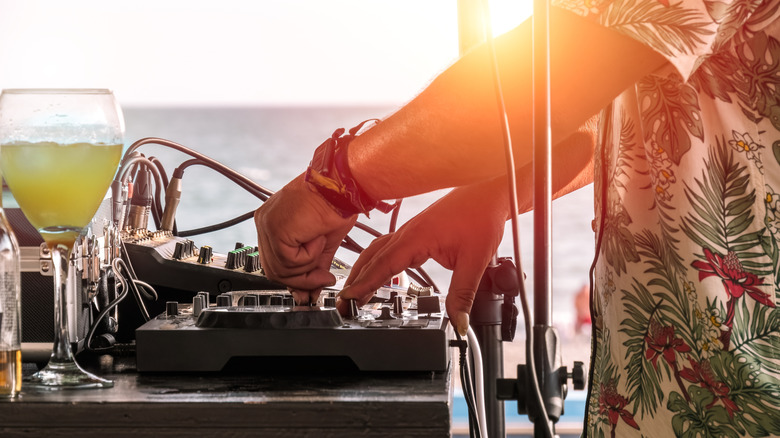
(479, 379)
(475, 428)
(125, 285)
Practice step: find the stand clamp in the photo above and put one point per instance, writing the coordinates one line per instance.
(494, 320)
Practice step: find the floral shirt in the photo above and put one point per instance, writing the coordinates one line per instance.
(686, 335)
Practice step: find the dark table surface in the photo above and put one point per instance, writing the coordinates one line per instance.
(269, 404)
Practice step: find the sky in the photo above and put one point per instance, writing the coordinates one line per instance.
(236, 52)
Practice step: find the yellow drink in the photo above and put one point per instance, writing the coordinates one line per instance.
(10, 373)
(59, 187)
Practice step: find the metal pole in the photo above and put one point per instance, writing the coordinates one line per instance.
(546, 349)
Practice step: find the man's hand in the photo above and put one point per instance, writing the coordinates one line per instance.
(461, 232)
(298, 233)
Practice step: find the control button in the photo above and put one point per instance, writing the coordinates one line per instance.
(179, 251)
(171, 308)
(385, 314)
(197, 305)
(352, 310)
(428, 305)
(276, 300)
(249, 300)
(224, 300)
(252, 262)
(288, 301)
(206, 299)
(231, 262)
(237, 258)
(330, 302)
(398, 305)
(204, 257)
(183, 249)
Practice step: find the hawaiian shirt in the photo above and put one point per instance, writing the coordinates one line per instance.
(686, 335)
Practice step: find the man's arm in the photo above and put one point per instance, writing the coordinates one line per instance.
(461, 232)
(450, 135)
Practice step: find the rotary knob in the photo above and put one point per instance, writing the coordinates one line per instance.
(249, 300)
(197, 305)
(206, 299)
(252, 263)
(204, 256)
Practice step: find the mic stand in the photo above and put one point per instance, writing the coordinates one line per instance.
(494, 319)
(551, 376)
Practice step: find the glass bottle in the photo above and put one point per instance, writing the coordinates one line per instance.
(10, 311)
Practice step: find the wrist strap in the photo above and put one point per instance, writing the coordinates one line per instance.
(329, 174)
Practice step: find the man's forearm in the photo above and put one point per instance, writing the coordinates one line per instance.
(450, 134)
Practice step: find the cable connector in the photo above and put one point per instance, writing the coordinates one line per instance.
(141, 200)
(172, 198)
(459, 343)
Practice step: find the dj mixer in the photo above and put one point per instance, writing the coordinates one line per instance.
(265, 324)
(221, 310)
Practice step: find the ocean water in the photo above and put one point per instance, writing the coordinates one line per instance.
(273, 145)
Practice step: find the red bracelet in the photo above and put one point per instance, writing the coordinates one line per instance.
(329, 174)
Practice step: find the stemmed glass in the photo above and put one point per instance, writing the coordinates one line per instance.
(59, 150)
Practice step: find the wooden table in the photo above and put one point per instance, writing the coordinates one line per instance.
(319, 404)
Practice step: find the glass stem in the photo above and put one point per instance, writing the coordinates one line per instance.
(60, 257)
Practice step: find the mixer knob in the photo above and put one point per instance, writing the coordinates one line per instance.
(242, 252)
(179, 251)
(204, 257)
(171, 308)
(231, 262)
(224, 300)
(206, 299)
(249, 300)
(197, 305)
(385, 313)
(252, 262)
(239, 245)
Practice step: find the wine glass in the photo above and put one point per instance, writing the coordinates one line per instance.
(59, 150)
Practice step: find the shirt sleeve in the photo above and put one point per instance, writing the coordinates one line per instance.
(685, 32)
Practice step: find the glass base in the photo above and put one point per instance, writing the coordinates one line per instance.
(65, 375)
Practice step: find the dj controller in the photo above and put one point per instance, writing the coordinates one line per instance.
(222, 313)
